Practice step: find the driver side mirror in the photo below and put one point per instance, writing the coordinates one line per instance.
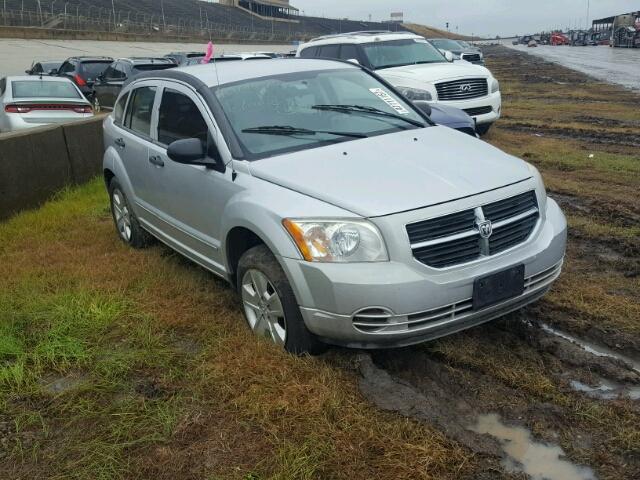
(354, 60)
(193, 151)
(449, 56)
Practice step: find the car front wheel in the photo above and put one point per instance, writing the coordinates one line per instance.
(270, 306)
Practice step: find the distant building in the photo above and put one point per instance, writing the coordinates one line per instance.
(397, 17)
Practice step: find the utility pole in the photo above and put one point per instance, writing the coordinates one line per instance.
(164, 22)
(113, 7)
(588, 12)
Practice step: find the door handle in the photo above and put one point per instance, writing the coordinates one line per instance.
(156, 160)
(120, 142)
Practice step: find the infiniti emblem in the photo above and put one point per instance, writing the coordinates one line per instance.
(485, 228)
(465, 88)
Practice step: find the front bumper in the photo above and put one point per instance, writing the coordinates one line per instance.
(420, 303)
(493, 100)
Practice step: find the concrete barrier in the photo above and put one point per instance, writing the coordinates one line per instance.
(85, 148)
(37, 163)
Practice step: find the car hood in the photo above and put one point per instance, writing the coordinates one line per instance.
(433, 72)
(396, 172)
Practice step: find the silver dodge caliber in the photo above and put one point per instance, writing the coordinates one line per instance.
(338, 210)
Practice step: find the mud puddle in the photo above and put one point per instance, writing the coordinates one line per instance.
(593, 348)
(434, 396)
(538, 460)
(606, 389)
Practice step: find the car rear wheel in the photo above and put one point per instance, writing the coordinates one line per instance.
(125, 220)
(270, 306)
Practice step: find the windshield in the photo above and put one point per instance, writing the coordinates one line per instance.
(396, 53)
(446, 44)
(297, 111)
(40, 89)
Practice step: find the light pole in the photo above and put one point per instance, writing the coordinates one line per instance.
(588, 8)
(164, 22)
(113, 7)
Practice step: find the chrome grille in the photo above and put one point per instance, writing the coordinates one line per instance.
(463, 89)
(454, 239)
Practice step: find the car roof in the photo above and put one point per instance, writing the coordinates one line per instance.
(91, 59)
(361, 37)
(229, 72)
(36, 78)
(147, 60)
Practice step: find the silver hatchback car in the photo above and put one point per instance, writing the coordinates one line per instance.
(338, 210)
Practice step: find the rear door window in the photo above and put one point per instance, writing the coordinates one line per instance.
(140, 110)
(330, 51)
(309, 52)
(179, 118)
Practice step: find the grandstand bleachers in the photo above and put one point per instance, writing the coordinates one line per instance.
(194, 15)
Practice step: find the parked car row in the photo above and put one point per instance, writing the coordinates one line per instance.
(331, 202)
(100, 79)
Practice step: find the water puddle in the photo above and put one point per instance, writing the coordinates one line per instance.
(607, 390)
(592, 348)
(538, 460)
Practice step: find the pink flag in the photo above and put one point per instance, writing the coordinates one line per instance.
(209, 55)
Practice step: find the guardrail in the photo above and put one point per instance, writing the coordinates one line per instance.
(37, 163)
(127, 22)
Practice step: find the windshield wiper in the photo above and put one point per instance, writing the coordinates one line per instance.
(287, 130)
(369, 111)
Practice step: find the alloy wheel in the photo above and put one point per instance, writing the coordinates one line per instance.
(263, 307)
(121, 215)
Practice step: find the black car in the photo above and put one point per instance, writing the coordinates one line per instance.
(108, 85)
(83, 71)
(44, 68)
(459, 51)
(183, 58)
(449, 117)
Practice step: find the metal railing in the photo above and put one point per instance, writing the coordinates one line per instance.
(64, 16)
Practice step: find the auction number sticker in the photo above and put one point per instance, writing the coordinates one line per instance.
(389, 100)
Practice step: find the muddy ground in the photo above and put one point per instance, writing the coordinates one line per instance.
(117, 363)
(576, 385)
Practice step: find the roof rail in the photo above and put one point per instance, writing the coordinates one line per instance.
(362, 32)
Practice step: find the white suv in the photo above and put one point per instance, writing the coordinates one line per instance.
(417, 69)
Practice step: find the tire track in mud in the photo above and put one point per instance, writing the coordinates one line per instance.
(489, 417)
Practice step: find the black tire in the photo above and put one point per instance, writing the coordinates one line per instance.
(483, 128)
(299, 340)
(138, 238)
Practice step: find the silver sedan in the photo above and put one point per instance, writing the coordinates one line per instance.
(28, 101)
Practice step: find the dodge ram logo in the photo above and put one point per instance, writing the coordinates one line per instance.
(485, 228)
(465, 88)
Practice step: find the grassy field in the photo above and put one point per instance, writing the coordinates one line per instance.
(137, 364)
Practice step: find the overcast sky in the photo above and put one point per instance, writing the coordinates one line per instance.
(485, 17)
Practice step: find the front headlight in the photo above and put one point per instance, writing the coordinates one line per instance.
(495, 86)
(414, 94)
(336, 241)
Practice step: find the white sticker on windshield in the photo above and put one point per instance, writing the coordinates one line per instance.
(389, 100)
